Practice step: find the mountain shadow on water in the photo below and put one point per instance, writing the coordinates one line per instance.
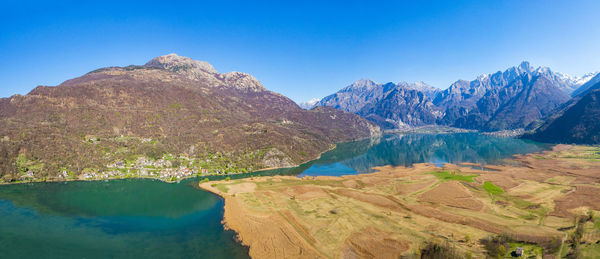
(405, 150)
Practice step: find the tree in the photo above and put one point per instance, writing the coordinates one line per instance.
(175, 163)
(501, 251)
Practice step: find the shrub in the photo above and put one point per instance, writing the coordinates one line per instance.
(590, 215)
(175, 163)
(496, 245)
(440, 251)
(501, 250)
(553, 246)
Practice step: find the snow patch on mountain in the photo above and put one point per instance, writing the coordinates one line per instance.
(309, 104)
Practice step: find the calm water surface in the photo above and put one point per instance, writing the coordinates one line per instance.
(114, 219)
(147, 218)
(405, 150)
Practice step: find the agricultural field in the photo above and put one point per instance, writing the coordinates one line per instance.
(545, 203)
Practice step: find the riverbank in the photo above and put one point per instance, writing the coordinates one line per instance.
(396, 211)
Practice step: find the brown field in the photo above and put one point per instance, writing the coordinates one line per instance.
(582, 196)
(395, 211)
(452, 194)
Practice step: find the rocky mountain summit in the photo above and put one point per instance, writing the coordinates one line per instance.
(516, 98)
(518, 105)
(586, 85)
(488, 102)
(390, 105)
(201, 70)
(309, 104)
(173, 109)
(401, 107)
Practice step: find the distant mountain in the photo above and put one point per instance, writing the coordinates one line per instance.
(309, 104)
(587, 85)
(389, 105)
(511, 99)
(172, 105)
(565, 83)
(421, 86)
(518, 97)
(401, 107)
(591, 85)
(578, 122)
(462, 96)
(517, 105)
(355, 96)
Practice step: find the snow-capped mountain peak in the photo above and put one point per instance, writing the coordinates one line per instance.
(309, 104)
(585, 78)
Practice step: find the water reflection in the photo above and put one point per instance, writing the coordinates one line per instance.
(405, 150)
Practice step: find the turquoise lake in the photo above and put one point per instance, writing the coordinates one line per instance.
(139, 218)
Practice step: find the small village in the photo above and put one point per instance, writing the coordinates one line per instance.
(143, 167)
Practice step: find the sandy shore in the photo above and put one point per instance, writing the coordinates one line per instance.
(396, 210)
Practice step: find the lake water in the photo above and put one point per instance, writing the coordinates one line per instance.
(148, 218)
(113, 219)
(405, 150)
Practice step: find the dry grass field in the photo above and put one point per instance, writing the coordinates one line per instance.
(538, 203)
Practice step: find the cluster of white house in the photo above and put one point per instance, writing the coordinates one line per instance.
(169, 173)
(143, 168)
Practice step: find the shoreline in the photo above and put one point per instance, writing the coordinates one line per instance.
(167, 181)
(97, 180)
(248, 174)
(291, 217)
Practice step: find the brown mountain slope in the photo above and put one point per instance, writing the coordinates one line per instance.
(172, 105)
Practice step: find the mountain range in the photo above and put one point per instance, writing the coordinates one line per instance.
(171, 106)
(176, 107)
(575, 121)
(518, 98)
(389, 105)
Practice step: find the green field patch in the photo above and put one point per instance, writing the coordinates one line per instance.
(453, 176)
(492, 188)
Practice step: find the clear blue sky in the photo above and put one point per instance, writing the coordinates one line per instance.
(301, 49)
